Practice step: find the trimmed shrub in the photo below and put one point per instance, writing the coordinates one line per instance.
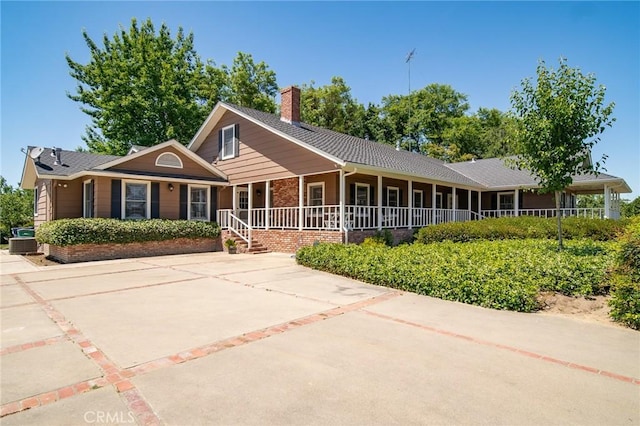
(494, 274)
(625, 282)
(67, 232)
(521, 228)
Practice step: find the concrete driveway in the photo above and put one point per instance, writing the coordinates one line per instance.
(218, 339)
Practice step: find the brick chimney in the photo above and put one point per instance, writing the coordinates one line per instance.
(290, 105)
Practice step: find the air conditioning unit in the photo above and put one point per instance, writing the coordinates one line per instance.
(22, 245)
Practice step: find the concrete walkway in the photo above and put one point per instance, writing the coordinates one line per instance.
(218, 339)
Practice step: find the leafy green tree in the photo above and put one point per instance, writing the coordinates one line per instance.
(140, 87)
(16, 207)
(630, 208)
(590, 201)
(246, 83)
(332, 107)
(423, 117)
(562, 116)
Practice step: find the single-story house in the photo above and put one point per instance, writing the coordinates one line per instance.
(276, 181)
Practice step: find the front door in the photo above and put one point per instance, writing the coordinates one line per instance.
(242, 204)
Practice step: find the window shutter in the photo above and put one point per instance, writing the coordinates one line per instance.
(237, 140)
(183, 201)
(116, 198)
(213, 204)
(520, 199)
(494, 201)
(400, 202)
(352, 194)
(220, 143)
(155, 200)
(385, 196)
(92, 198)
(372, 196)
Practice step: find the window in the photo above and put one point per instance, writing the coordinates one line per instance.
(362, 194)
(169, 159)
(228, 148)
(438, 200)
(417, 199)
(135, 203)
(315, 194)
(505, 201)
(198, 203)
(87, 199)
(393, 196)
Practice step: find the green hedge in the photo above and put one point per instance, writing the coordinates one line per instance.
(625, 288)
(495, 274)
(67, 232)
(521, 228)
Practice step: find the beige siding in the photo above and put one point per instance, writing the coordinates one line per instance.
(102, 196)
(147, 163)
(331, 187)
(262, 154)
(43, 204)
(67, 198)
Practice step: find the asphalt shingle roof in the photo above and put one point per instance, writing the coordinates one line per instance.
(360, 151)
(72, 162)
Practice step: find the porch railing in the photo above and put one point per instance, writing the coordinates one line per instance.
(593, 213)
(240, 228)
(366, 217)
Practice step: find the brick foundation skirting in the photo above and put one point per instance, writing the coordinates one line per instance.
(90, 252)
(399, 235)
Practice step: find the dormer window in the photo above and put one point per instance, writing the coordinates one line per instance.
(169, 159)
(229, 142)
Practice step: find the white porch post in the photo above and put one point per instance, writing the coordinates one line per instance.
(410, 203)
(234, 199)
(469, 202)
(607, 202)
(379, 201)
(342, 186)
(267, 203)
(454, 213)
(516, 203)
(300, 202)
(250, 207)
(433, 203)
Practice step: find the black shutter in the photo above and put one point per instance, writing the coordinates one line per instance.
(400, 200)
(237, 140)
(494, 201)
(385, 195)
(155, 200)
(520, 199)
(352, 194)
(372, 196)
(213, 204)
(92, 198)
(220, 143)
(183, 201)
(116, 198)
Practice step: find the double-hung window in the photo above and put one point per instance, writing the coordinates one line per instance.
(315, 194)
(362, 194)
(136, 203)
(393, 196)
(228, 146)
(505, 201)
(198, 203)
(417, 198)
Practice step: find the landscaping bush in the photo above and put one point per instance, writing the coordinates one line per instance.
(494, 274)
(520, 228)
(625, 280)
(66, 232)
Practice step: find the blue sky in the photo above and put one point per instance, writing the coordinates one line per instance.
(482, 49)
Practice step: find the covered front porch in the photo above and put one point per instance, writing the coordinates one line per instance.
(343, 201)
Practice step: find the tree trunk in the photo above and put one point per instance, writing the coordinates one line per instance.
(559, 220)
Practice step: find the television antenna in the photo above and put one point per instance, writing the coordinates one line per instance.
(410, 56)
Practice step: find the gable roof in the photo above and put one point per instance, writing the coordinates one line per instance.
(76, 164)
(494, 173)
(338, 147)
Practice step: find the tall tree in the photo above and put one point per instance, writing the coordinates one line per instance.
(141, 87)
(421, 118)
(562, 116)
(332, 107)
(246, 83)
(16, 207)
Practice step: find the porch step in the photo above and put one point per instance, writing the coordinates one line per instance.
(256, 246)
